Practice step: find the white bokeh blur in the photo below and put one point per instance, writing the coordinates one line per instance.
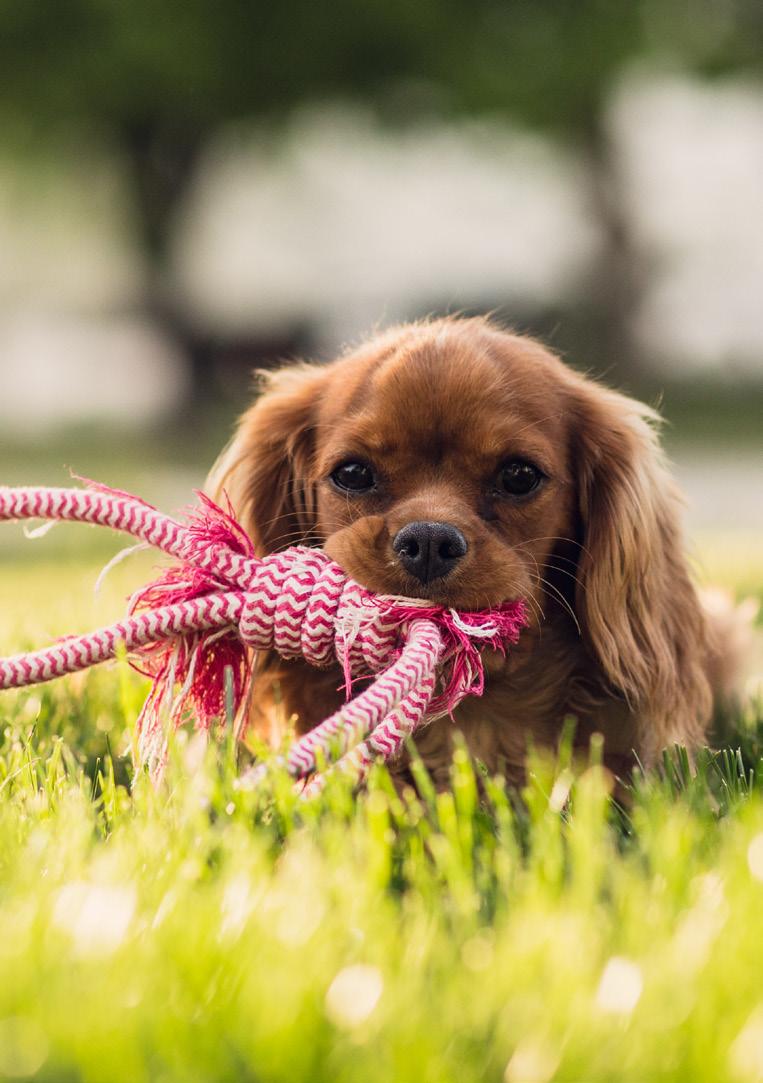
(344, 225)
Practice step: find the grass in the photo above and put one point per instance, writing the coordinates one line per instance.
(207, 931)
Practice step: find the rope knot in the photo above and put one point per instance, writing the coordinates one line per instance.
(196, 628)
(304, 606)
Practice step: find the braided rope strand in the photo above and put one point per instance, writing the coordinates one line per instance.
(74, 653)
(220, 603)
(416, 666)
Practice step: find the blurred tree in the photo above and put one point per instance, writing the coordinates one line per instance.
(159, 78)
(553, 64)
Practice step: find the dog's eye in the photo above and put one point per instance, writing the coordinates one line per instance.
(518, 478)
(354, 477)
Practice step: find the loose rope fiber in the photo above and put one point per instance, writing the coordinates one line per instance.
(196, 629)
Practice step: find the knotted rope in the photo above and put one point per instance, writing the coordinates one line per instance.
(194, 631)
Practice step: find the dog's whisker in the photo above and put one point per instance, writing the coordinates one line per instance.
(565, 604)
(537, 612)
(535, 602)
(545, 583)
(562, 571)
(559, 538)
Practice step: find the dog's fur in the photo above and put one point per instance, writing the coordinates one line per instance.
(618, 637)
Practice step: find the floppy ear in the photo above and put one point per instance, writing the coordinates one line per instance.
(636, 604)
(265, 470)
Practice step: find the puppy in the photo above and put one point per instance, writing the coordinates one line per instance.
(454, 461)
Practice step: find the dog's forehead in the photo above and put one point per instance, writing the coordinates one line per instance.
(451, 395)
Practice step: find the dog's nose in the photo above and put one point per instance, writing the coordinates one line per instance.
(429, 550)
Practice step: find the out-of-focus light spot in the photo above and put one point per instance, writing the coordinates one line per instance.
(700, 927)
(755, 857)
(753, 688)
(298, 919)
(298, 903)
(32, 707)
(353, 995)
(531, 1062)
(237, 904)
(620, 986)
(23, 1047)
(477, 952)
(746, 1052)
(132, 996)
(710, 891)
(165, 907)
(97, 916)
(560, 792)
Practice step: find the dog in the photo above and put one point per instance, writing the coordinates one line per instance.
(456, 461)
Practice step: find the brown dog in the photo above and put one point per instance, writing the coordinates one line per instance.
(454, 461)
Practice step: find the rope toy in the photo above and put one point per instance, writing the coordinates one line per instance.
(196, 628)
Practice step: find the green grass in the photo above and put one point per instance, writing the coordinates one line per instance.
(210, 932)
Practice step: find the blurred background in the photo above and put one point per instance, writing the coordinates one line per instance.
(194, 188)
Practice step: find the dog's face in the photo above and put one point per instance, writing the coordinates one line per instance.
(442, 470)
(459, 463)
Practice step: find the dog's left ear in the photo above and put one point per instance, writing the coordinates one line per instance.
(636, 604)
(265, 470)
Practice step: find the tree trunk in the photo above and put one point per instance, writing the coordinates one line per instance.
(162, 167)
(617, 283)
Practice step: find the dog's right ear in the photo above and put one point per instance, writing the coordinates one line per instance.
(265, 471)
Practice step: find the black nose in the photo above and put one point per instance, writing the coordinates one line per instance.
(429, 550)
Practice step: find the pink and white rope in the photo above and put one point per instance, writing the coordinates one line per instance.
(298, 602)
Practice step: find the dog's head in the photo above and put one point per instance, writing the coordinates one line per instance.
(456, 462)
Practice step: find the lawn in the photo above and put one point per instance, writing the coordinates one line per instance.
(207, 931)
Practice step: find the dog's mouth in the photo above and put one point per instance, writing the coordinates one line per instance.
(365, 556)
(441, 593)
(465, 596)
